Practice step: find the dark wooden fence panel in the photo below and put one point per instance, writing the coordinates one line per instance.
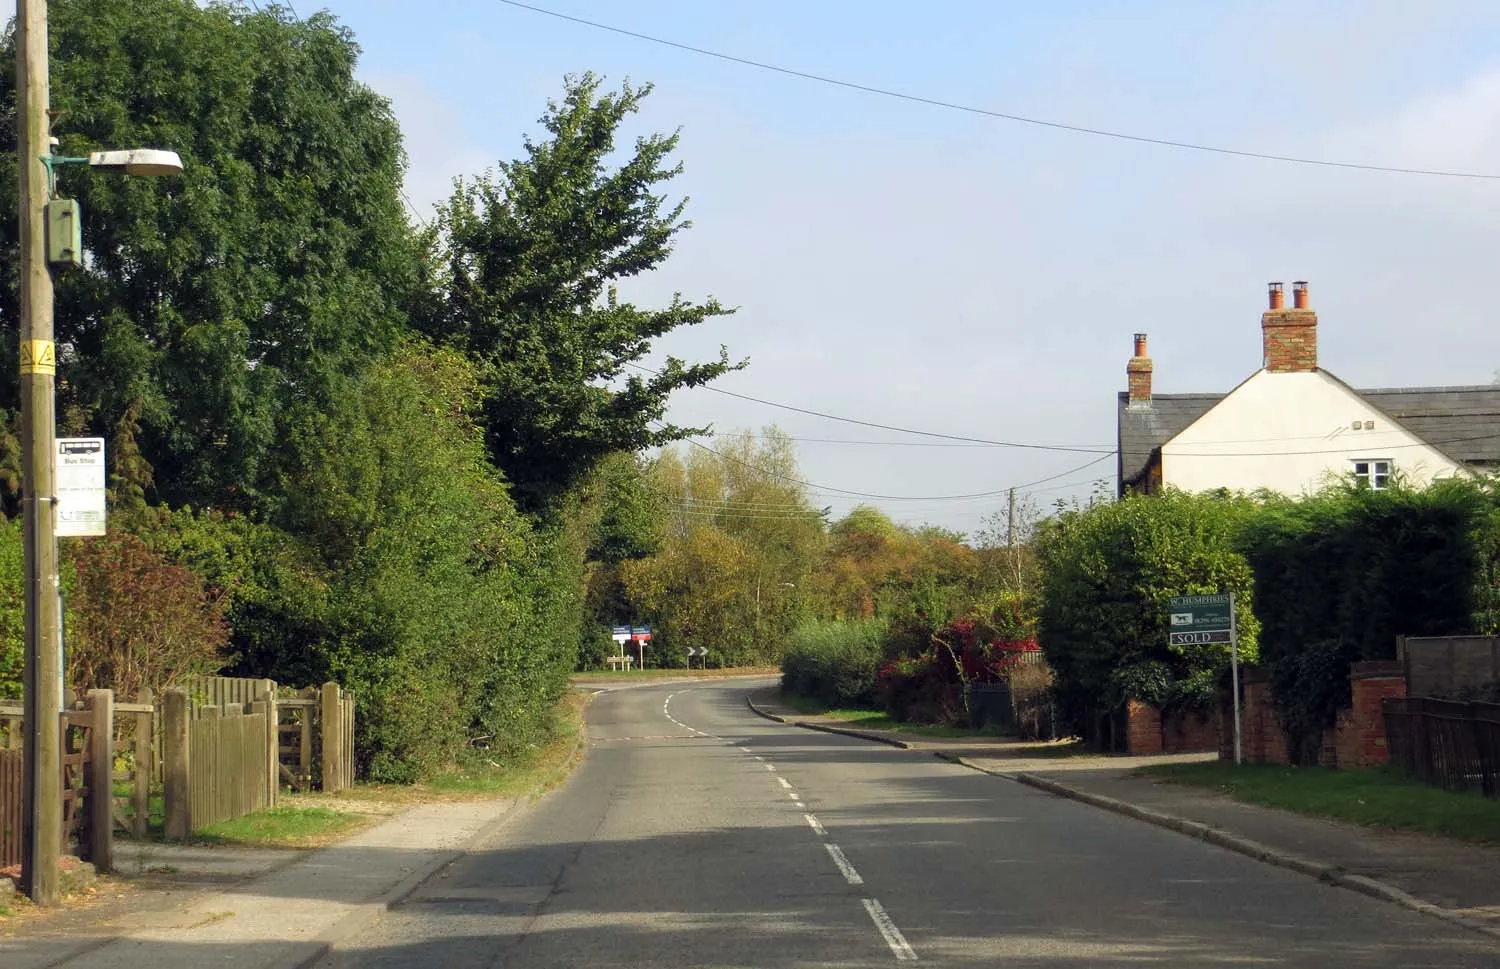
(12, 807)
(1446, 743)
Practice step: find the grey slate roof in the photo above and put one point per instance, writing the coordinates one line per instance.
(1462, 422)
(1144, 429)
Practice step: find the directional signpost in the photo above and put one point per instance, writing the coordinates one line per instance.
(1199, 620)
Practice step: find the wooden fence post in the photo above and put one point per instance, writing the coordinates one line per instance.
(140, 799)
(330, 725)
(101, 780)
(305, 741)
(175, 779)
(273, 743)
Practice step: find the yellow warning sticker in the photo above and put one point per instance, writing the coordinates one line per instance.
(38, 356)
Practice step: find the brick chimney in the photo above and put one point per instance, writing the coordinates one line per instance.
(1138, 374)
(1290, 335)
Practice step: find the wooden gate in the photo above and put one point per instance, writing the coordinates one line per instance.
(228, 764)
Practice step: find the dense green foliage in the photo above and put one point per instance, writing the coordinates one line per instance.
(835, 662)
(1340, 575)
(1107, 572)
(342, 448)
(530, 257)
(225, 303)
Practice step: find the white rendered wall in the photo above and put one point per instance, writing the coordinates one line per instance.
(1292, 433)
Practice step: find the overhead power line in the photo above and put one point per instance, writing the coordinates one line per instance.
(1000, 115)
(891, 427)
(1080, 449)
(878, 497)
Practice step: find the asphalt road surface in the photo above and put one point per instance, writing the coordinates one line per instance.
(697, 834)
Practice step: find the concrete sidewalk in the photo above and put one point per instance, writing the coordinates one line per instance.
(1446, 878)
(287, 915)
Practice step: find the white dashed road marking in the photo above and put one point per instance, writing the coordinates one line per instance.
(883, 922)
(889, 932)
(845, 868)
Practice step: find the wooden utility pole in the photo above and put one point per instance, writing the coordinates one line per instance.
(43, 608)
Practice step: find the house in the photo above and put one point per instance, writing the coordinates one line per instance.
(1292, 427)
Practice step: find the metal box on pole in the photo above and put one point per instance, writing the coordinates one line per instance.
(64, 233)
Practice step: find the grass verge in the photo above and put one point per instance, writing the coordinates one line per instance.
(1380, 797)
(477, 775)
(284, 826)
(877, 720)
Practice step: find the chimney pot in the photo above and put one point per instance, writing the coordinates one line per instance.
(1299, 294)
(1140, 344)
(1277, 299)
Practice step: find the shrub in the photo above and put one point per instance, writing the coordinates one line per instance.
(1107, 573)
(12, 624)
(135, 620)
(1340, 575)
(932, 686)
(834, 662)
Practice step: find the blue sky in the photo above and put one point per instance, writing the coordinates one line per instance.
(914, 266)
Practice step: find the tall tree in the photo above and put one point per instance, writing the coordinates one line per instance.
(529, 259)
(226, 301)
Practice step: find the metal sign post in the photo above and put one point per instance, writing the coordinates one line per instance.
(1200, 620)
(1234, 678)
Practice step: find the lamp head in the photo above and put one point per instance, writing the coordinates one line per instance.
(137, 161)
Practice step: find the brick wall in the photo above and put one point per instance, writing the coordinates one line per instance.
(1261, 734)
(1143, 734)
(1357, 738)
(1148, 732)
(1190, 733)
(1360, 730)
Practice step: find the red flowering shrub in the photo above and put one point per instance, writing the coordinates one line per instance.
(929, 687)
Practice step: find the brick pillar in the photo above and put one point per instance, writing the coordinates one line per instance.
(1143, 728)
(1362, 732)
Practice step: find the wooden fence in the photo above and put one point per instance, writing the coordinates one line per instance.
(1446, 743)
(229, 757)
(85, 734)
(215, 754)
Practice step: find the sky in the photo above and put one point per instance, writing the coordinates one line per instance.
(922, 267)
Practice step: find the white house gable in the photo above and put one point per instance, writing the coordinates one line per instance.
(1294, 433)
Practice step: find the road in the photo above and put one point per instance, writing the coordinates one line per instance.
(697, 834)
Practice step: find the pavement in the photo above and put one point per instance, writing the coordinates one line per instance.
(696, 833)
(254, 907)
(1436, 876)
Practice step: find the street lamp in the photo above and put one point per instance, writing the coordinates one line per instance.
(42, 605)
